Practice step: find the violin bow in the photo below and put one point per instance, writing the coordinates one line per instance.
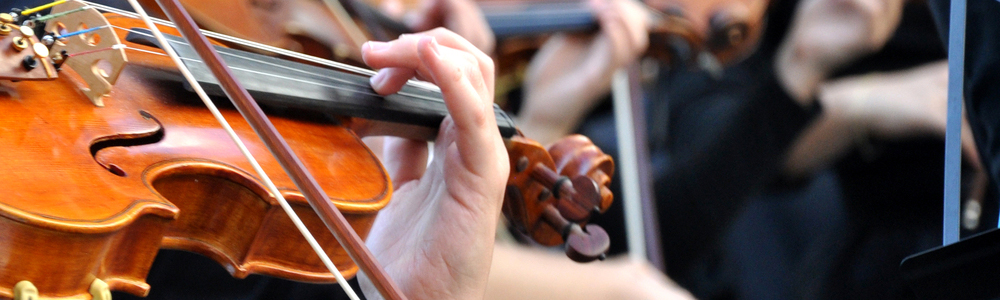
(641, 225)
(314, 194)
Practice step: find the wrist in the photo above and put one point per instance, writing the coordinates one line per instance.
(798, 75)
(846, 102)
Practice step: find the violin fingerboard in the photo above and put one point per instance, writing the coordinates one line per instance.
(280, 83)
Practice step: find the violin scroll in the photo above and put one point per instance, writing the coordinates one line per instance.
(551, 194)
(577, 155)
(726, 29)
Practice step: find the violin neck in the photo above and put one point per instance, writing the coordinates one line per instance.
(514, 20)
(413, 112)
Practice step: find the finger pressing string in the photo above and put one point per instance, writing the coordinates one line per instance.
(470, 107)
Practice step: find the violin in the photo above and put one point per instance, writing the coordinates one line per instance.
(142, 168)
(704, 34)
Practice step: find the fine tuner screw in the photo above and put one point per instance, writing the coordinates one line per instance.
(29, 62)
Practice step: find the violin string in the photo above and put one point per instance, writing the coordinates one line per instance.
(337, 65)
(362, 88)
(41, 7)
(113, 47)
(255, 45)
(253, 162)
(53, 16)
(284, 78)
(79, 32)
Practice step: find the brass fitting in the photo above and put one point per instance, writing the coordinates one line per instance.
(40, 50)
(58, 58)
(26, 31)
(19, 43)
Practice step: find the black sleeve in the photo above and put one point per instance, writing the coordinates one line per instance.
(725, 145)
(982, 73)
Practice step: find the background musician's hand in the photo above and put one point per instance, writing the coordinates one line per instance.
(460, 16)
(828, 34)
(435, 238)
(571, 73)
(887, 106)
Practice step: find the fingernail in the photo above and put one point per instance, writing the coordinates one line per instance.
(379, 79)
(433, 45)
(376, 46)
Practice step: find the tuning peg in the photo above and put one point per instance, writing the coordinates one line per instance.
(587, 245)
(578, 198)
(581, 245)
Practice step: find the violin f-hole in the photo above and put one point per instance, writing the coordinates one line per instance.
(126, 140)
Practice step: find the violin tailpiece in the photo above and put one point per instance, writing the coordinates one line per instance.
(22, 56)
(103, 61)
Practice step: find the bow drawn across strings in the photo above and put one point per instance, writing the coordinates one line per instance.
(314, 194)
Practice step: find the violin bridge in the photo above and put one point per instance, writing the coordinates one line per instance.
(101, 60)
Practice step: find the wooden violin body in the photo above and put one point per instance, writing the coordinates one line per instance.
(92, 192)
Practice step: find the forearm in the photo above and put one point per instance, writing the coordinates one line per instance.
(892, 105)
(523, 273)
(821, 144)
(831, 136)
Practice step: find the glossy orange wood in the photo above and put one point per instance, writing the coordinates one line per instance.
(527, 215)
(65, 213)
